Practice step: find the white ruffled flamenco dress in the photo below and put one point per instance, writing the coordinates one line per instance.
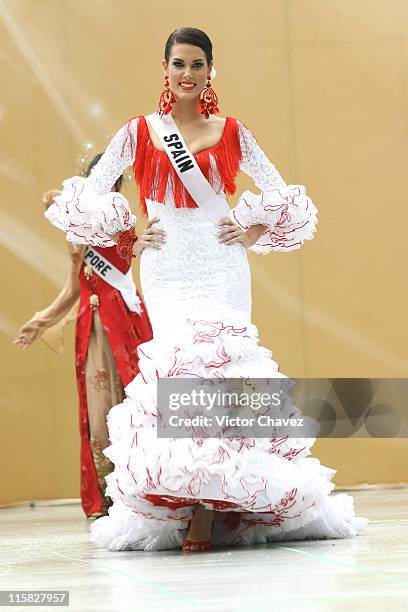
(198, 297)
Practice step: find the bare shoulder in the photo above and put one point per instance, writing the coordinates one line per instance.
(217, 120)
(216, 125)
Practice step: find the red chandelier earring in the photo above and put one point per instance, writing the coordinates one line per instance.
(208, 100)
(167, 99)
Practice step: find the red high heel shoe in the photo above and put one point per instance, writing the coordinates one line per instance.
(197, 545)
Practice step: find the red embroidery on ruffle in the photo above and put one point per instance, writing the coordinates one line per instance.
(212, 329)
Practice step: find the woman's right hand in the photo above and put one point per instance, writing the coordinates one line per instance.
(30, 332)
(152, 237)
(48, 196)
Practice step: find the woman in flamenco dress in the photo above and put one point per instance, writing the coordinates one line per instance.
(200, 492)
(107, 336)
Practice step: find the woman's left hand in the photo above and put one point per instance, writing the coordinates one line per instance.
(231, 232)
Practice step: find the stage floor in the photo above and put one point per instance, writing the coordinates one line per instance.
(47, 548)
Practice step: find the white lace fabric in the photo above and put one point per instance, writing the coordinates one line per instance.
(286, 210)
(87, 210)
(119, 154)
(198, 296)
(89, 213)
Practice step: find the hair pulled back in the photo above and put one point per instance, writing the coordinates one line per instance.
(189, 36)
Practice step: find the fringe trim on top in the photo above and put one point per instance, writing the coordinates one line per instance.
(153, 170)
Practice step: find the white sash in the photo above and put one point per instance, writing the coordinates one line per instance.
(184, 163)
(124, 283)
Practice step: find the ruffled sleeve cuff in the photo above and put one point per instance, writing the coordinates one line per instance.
(288, 212)
(89, 218)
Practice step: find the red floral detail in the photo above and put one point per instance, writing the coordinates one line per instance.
(125, 243)
(198, 478)
(115, 296)
(277, 442)
(293, 452)
(212, 329)
(223, 358)
(121, 351)
(246, 443)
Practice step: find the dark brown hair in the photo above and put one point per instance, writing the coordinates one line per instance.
(189, 36)
(117, 186)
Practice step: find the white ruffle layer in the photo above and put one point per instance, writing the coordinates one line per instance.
(280, 492)
(288, 212)
(126, 529)
(89, 218)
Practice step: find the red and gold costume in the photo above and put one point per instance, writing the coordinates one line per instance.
(124, 331)
(107, 337)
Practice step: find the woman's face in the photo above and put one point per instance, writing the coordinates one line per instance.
(187, 70)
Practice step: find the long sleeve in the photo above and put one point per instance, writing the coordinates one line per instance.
(87, 210)
(286, 210)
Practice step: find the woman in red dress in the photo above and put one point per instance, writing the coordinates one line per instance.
(108, 332)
